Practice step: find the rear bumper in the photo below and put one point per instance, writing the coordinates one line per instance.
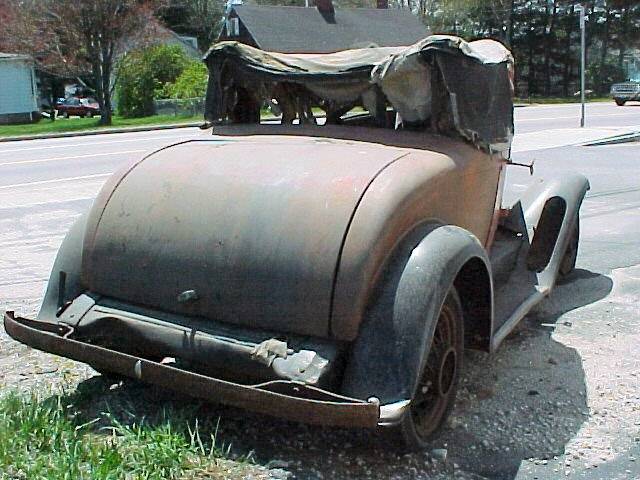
(285, 399)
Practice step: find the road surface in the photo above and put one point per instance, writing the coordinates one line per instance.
(598, 114)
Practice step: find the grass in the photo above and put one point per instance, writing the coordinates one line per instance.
(76, 124)
(50, 439)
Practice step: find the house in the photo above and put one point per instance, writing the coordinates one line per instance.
(155, 33)
(18, 91)
(320, 29)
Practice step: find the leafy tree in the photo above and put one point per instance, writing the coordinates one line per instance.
(192, 82)
(74, 37)
(544, 36)
(147, 74)
(200, 18)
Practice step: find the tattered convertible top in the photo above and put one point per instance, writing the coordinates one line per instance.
(441, 82)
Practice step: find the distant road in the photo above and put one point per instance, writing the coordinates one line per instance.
(547, 117)
(45, 171)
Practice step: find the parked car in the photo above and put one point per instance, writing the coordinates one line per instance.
(625, 92)
(330, 274)
(80, 107)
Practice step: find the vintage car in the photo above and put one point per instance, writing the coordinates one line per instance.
(328, 265)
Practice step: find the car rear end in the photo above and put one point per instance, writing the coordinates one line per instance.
(210, 268)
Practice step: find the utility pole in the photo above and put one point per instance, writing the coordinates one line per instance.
(583, 61)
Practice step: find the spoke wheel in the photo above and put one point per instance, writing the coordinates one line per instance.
(436, 390)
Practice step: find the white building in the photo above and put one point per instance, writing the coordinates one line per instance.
(18, 90)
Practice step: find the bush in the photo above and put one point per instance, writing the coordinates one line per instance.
(145, 75)
(192, 82)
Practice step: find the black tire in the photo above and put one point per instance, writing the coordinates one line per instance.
(65, 114)
(568, 262)
(620, 102)
(88, 114)
(430, 406)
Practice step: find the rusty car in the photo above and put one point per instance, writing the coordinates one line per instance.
(328, 264)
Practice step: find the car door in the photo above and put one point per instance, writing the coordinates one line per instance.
(74, 106)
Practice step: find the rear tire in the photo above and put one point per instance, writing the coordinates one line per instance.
(620, 102)
(65, 114)
(436, 393)
(88, 114)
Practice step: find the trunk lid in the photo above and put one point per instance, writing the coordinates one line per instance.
(245, 232)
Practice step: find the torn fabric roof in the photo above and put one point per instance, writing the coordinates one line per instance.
(441, 81)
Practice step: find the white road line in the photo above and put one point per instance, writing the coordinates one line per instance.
(88, 143)
(9, 206)
(72, 157)
(55, 180)
(573, 116)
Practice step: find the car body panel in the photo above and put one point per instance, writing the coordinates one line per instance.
(253, 227)
(458, 188)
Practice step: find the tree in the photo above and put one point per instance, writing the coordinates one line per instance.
(201, 18)
(75, 37)
(192, 82)
(147, 74)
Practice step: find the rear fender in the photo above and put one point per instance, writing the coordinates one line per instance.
(387, 357)
(550, 209)
(64, 283)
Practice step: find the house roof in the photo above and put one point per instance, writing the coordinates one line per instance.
(304, 30)
(13, 56)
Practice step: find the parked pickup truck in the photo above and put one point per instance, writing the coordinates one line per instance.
(625, 92)
(328, 267)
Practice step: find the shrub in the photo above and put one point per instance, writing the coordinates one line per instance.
(145, 75)
(192, 82)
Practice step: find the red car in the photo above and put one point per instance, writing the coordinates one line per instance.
(81, 107)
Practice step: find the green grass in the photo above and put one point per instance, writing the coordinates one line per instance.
(49, 439)
(76, 124)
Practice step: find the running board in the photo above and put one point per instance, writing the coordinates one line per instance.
(511, 322)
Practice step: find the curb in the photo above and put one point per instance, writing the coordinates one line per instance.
(84, 133)
(614, 140)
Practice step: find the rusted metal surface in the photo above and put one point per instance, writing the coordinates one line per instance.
(252, 228)
(456, 186)
(217, 350)
(287, 232)
(290, 400)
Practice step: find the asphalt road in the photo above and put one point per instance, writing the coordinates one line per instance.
(605, 114)
(589, 326)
